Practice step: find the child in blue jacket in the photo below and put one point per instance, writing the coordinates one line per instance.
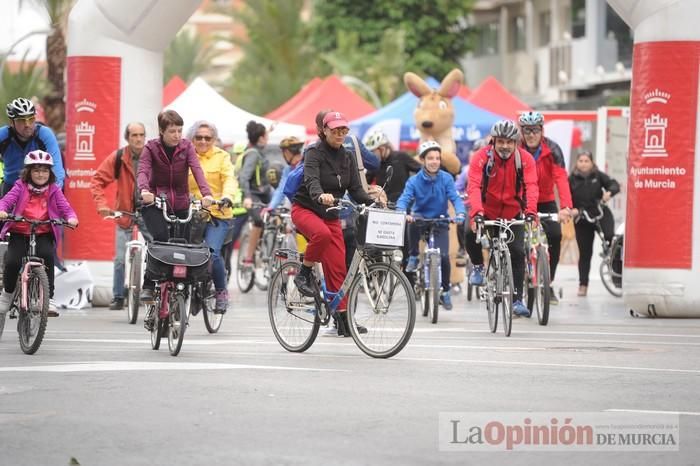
(428, 192)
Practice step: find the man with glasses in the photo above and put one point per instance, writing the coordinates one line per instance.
(551, 171)
(121, 167)
(22, 136)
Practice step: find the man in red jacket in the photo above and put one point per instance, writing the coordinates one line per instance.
(123, 172)
(502, 185)
(551, 171)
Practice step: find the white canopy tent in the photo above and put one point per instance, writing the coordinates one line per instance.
(201, 102)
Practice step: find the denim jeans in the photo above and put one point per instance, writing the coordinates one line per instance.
(214, 236)
(123, 236)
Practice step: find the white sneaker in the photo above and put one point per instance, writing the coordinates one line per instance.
(53, 309)
(5, 302)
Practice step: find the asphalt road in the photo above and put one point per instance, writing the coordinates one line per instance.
(97, 393)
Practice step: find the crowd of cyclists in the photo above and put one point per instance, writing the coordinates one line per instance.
(514, 173)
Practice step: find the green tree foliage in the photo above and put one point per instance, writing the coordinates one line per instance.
(28, 81)
(187, 56)
(276, 57)
(435, 31)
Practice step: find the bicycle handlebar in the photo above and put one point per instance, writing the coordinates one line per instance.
(161, 202)
(53, 221)
(502, 224)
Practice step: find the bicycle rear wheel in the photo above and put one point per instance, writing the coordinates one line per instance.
(212, 320)
(263, 256)
(134, 291)
(177, 323)
(507, 291)
(293, 317)
(245, 274)
(434, 288)
(158, 325)
(382, 301)
(543, 291)
(488, 294)
(32, 321)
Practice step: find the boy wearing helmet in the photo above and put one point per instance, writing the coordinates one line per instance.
(551, 171)
(22, 136)
(427, 194)
(34, 196)
(499, 189)
(403, 165)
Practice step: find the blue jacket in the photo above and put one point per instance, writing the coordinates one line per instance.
(14, 154)
(278, 196)
(429, 195)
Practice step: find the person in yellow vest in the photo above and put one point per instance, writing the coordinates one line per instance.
(218, 171)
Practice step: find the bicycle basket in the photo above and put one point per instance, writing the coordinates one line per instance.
(380, 229)
(163, 257)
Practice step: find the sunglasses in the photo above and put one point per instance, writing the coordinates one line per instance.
(203, 138)
(26, 121)
(532, 130)
(342, 131)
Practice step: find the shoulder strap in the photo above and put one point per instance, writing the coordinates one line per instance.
(486, 175)
(360, 165)
(118, 163)
(40, 144)
(4, 144)
(519, 180)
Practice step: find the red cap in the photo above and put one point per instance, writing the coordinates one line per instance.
(335, 120)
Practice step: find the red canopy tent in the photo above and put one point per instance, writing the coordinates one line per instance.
(173, 89)
(492, 96)
(331, 93)
(464, 92)
(295, 99)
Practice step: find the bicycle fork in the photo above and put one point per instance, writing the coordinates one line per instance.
(28, 266)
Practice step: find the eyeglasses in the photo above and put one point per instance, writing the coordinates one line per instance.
(342, 131)
(532, 130)
(26, 121)
(203, 138)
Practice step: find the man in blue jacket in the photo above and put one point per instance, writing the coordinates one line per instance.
(22, 136)
(427, 194)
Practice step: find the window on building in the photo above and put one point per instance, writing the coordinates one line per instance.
(616, 28)
(486, 39)
(517, 33)
(545, 28)
(578, 18)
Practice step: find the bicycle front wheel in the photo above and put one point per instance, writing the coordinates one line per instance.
(158, 325)
(245, 273)
(608, 276)
(32, 321)
(507, 291)
(212, 320)
(294, 317)
(542, 294)
(263, 260)
(134, 291)
(382, 301)
(177, 323)
(488, 294)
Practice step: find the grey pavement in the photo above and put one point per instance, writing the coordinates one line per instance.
(96, 392)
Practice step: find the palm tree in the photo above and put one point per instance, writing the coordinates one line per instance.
(187, 56)
(276, 56)
(56, 51)
(27, 81)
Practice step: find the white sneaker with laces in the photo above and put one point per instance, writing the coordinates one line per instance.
(53, 309)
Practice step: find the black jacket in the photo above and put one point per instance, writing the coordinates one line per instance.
(404, 165)
(329, 171)
(587, 191)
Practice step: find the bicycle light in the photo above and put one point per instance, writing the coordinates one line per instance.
(179, 271)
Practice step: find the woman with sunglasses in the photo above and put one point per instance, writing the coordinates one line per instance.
(164, 166)
(329, 171)
(218, 171)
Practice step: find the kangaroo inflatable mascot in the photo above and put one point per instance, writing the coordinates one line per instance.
(434, 118)
(435, 114)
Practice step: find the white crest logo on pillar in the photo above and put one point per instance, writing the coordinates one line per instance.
(655, 126)
(84, 132)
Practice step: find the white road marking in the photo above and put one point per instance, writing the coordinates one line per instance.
(108, 366)
(648, 411)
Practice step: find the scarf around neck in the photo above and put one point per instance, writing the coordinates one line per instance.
(37, 189)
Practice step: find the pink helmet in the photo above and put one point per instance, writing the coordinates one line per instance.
(38, 157)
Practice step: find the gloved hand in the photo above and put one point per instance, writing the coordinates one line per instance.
(226, 202)
(478, 221)
(531, 218)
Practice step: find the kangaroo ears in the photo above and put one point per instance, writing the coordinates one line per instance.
(416, 84)
(451, 84)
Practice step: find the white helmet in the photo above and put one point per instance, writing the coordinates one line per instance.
(505, 129)
(426, 146)
(38, 157)
(20, 108)
(375, 140)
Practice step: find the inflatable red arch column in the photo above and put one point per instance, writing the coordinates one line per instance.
(662, 250)
(114, 76)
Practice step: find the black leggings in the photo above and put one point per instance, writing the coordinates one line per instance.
(517, 255)
(17, 248)
(585, 235)
(553, 231)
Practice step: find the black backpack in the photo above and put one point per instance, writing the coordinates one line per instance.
(519, 181)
